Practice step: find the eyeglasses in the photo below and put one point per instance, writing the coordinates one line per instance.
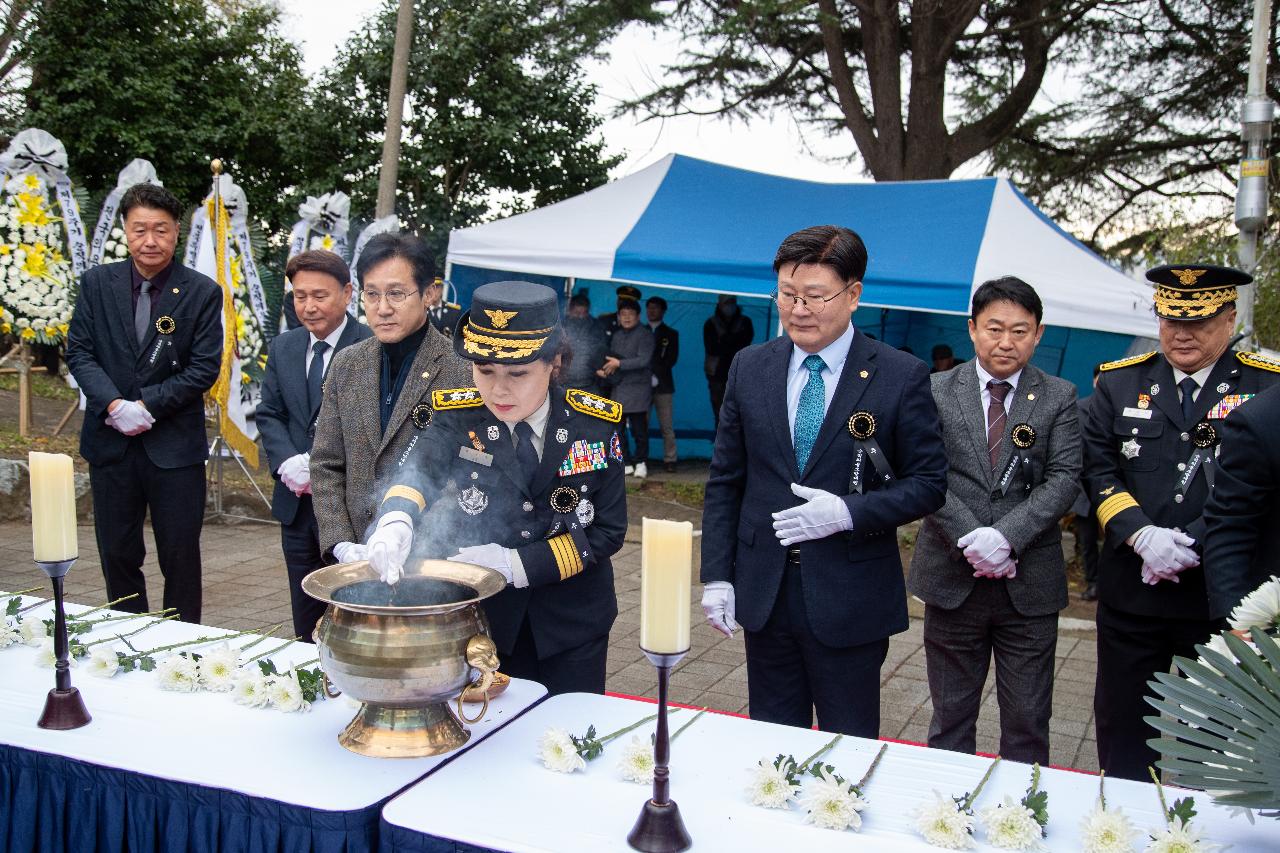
(372, 298)
(816, 304)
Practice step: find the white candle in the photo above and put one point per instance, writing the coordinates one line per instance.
(666, 576)
(53, 507)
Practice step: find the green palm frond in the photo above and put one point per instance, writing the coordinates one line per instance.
(1222, 729)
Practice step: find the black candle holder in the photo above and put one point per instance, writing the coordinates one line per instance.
(63, 707)
(660, 829)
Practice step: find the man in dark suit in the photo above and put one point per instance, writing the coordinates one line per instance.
(291, 392)
(145, 345)
(1085, 524)
(1150, 443)
(666, 352)
(988, 565)
(377, 393)
(1242, 517)
(443, 315)
(724, 334)
(827, 442)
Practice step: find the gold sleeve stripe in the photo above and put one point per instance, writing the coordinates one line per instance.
(1114, 505)
(407, 493)
(566, 554)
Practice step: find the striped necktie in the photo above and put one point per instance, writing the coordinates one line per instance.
(996, 417)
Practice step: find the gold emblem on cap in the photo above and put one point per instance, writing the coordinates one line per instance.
(1188, 277)
(165, 325)
(499, 318)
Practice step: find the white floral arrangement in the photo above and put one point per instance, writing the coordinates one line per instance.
(1178, 834)
(637, 762)
(1106, 830)
(35, 274)
(562, 752)
(115, 247)
(949, 822)
(249, 340)
(1020, 825)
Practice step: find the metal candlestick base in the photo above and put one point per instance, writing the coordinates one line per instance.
(660, 829)
(63, 707)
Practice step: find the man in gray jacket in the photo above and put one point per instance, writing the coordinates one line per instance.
(629, 366)
(989, 564)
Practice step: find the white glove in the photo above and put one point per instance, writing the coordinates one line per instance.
(718, 605)
(820, 516)
(491, 556)
(130, 418)
(986, 549)
(295, 473)
(1164, 553)
(389, 546)
(1007, 569)
(350, 552)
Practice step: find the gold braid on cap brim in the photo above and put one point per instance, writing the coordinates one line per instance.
(1171, 303)
(488, 346)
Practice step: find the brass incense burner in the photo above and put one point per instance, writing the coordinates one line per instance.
(406, 651)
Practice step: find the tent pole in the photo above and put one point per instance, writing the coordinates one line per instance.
(568, 286)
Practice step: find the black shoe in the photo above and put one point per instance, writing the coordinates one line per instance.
(669, 467)
(1090, 593)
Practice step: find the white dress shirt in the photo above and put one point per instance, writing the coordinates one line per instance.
(537, 422)
(984, 378)
(1201, 376)
(331, 339)
(834, 355)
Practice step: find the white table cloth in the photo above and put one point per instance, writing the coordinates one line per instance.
(206, 738)
(594, 810)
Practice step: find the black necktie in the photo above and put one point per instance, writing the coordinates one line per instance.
(526, 455)
(142, 313)
(315, 374)
(1188, 387)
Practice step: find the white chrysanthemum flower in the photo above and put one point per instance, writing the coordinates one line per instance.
(32, 630)
(943, 824)
(1107, 831)
(770, 787)
(103, 662)
(1180, 837)
(251, 689)
(1012, 826)
(286, 693)
(831, 804)
(9, 635)
(1258, 609)
(45, 656)
(636, 763)
(558, 753)
(178, 673)
(218, 669)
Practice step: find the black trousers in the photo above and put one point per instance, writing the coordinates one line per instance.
(300, 542)
(790, 673)
(1131, 649)
(576, 670)
(123, 492)
(958, 645)
(717, 389)
(635, 429)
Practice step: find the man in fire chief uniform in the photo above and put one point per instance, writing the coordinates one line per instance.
(1151, 441)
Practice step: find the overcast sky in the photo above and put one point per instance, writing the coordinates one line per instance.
(636, 58)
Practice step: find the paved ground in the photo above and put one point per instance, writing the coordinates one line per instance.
(245, 587)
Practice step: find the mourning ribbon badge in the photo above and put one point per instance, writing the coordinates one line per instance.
(1204, 438)
(870, 466)
(1023, 437)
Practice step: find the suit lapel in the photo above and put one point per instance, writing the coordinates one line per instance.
(553, 452)
(968, 392)
(858, 373)
(1225, 373)
(1025, 397)
(502, 450)
(774, 381)
(368, 381)
(165, 304)
(1160, 376)
(293, 364)
(415, 385)
(122, 290)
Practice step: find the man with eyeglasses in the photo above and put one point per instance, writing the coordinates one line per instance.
(827, 442)
(377, 393)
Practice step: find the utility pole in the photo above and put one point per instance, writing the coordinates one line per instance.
(395, 110)
(1251, 192)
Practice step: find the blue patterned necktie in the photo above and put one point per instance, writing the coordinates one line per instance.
(809, 412)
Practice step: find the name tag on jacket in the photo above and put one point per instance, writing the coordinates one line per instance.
(1131, 412)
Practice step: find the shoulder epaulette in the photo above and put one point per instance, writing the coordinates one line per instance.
(456, 398)
(1262, 362)
(594, 405)
(1127, 362)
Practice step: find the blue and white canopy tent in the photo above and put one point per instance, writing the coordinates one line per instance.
(688, 229)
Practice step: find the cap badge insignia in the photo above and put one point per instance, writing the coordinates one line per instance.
(1188, 277)
(499, 318)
